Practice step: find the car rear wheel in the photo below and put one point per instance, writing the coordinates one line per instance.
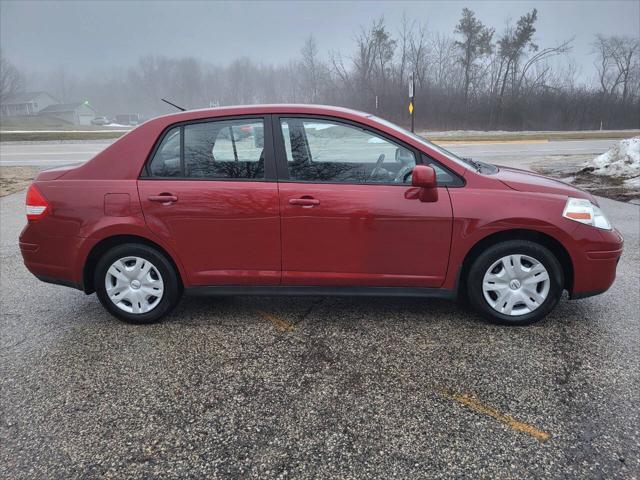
(137, 283)
(516, 282)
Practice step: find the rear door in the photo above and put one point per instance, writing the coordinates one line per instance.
(209, 190)
(348, 216)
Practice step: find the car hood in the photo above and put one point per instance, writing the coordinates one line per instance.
(525, 181)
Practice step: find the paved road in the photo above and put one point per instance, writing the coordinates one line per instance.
(51, 154)
(520, 153)
(316, 388)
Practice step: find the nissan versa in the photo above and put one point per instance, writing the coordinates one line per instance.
(310, 200)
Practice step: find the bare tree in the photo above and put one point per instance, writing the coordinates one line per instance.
(443, 65)
(540, 57)
(475, 43)
(419, 56)
(374, 55)
(365, 57)
(339, 70)
(512, 46)
(385, 48)
(617, 64)
(311, 69)
(405, 35)
(11, 79)
(188, 80)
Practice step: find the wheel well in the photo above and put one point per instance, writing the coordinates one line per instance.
(106, 244)
(541, 238)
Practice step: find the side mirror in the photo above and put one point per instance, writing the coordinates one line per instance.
(424, 178)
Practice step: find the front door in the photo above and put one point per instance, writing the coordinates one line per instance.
(346, 218)
(210, 192)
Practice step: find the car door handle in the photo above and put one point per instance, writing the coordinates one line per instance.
(163, 198)
(304, 202)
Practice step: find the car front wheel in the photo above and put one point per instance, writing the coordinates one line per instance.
(516, 282)
(137, 283)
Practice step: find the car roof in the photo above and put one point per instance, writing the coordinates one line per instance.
(291, 108)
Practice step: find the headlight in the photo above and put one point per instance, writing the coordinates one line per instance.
(584, 211)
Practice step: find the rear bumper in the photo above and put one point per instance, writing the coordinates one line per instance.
(595, 265)
(52, 259)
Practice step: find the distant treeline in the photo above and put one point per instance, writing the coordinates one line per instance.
(474, 78)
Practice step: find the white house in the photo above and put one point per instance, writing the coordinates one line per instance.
(79, 113)
(27, 103)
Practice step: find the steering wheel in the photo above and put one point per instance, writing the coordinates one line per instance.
(375, 170)
(403, 174)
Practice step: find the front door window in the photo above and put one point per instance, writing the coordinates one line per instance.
(333, 152)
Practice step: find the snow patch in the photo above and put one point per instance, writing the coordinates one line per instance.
(621, 161)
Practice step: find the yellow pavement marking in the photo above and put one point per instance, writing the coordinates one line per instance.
(281, 324)
(487, 142)
(467, 400)
(509, 421)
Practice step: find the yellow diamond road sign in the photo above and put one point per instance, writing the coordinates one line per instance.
(410, 108)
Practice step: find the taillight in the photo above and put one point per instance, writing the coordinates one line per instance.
(37, 205)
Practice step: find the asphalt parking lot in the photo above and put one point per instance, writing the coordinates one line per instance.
(316, 387)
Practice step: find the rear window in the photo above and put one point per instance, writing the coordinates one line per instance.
(166, 161)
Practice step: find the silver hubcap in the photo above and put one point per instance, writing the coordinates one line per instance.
(134, 285)
(516, 285)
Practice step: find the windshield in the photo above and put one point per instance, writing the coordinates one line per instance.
(450, 155)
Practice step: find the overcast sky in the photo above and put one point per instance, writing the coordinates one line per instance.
(85, 36)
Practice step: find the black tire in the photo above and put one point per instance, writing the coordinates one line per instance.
(172, 285)
(487, 258)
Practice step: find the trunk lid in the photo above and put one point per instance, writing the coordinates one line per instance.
(53, 174)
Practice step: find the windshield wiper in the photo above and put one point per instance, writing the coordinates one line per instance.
(482, 167)
(472, 162)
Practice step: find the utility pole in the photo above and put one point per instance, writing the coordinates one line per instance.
(411, 99)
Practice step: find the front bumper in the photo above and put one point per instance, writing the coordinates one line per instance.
(595, 263)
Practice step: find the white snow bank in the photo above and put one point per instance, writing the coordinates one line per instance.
(622, 160)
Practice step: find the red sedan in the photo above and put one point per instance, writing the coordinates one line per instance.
(310, 200)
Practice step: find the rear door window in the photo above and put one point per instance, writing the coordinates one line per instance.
(224, 149)
(166, 161)
(219, 149)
